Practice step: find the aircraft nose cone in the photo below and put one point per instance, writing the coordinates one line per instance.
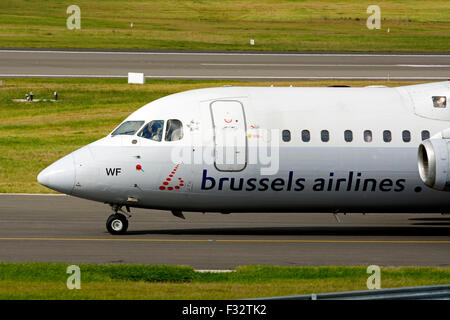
(59, 176)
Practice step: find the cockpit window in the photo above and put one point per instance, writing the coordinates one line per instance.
(439, 101)
(174, 130)
(128, 128)
(152, 130)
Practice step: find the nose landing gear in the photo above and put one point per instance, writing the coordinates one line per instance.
(117, 223)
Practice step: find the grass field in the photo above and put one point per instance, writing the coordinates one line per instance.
(33, 135)
(302, 25)
(48, 281)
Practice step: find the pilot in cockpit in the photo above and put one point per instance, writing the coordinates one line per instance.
(153, 131)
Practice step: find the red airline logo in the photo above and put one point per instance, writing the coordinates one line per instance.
(168, 184)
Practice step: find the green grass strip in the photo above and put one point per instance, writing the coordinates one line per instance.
(289, 25)
(48, 281)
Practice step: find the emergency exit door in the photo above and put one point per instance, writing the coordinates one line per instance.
(230, 135)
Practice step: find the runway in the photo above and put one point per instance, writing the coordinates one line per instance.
(236, 66)
(71, 230)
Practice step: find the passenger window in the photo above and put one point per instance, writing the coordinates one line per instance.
(306, 136)
(153, 130)
(387, 136)
(368, 136)
(348, 135)
(286, 135)
(439, 101)
(425, 135)
(325, 135)
(174, 130)
(406, 136)
(128, 128)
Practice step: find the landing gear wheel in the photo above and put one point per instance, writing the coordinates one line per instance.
(117, 224)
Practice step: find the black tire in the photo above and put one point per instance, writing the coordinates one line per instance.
(117, 224)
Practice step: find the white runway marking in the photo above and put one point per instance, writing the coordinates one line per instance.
(220, 77)
(228, 53)
(424, 65)
(327, 65)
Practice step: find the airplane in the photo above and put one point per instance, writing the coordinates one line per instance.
(231, 149)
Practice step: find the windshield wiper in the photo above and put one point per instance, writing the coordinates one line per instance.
(125, 133)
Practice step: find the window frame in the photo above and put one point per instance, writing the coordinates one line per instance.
(368, 133)
(437, 103)
(409, 136)
(427, 132)
(167, 127)
(351, 135)
(162, 130)
(124, 122)
(306, 131)
(390, 136)
(283, 135)
(322, 132)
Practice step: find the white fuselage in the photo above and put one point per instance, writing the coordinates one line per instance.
(368, 163)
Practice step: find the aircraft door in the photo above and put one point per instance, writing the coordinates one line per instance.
(230, 135)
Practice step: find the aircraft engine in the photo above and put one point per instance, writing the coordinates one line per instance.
(433, 161)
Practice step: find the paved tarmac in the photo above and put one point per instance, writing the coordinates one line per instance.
(238, 66)
(71, 230)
